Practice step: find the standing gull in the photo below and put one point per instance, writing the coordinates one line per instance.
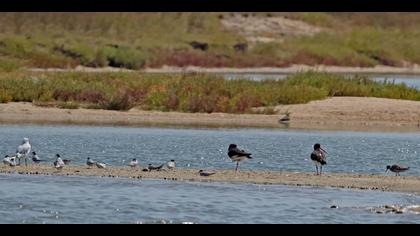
(23, 150)
(318, 156)
(397, 169)
(237, 155)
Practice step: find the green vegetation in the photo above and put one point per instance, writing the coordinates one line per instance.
(187, 92)
(5, 97)
(138, 40)
(68, 105)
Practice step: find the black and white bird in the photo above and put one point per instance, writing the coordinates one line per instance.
(397, 169)
(171, 164)
(9, 161)
(23, 151)
(66, 161)
(133, 163)
(59, 163)
(100, 165)
(90, 162)
(237, 155)
(318, 156)
(206, 173)
(157, 168)
(36, 159)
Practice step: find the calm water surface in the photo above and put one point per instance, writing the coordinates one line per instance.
(280, 150)
(38, 199)
(51, 199)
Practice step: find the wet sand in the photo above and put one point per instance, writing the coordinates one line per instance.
(408, 184)
(337, 113)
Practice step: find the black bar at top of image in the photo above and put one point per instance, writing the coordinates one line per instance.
(209, 5)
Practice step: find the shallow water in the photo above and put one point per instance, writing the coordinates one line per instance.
(279, 150)
(409, 80)
(54, 199)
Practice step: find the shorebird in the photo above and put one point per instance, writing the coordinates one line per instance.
(206, 174)
(171, 164)
(397, 169)
(100, 165)
(35, 158)
(133, 163)
(59, 163)
(23, 150)
(90, 162)
(10, 161)
(285, 120)
(237, 155)
(318, 156)
(66, 161)
(158, 168)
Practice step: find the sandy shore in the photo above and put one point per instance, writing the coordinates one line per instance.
(380, 69)
(354, 181)
(337, 113)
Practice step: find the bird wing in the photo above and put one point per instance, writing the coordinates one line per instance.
(318, 156)
(238, 152)
(402, 168)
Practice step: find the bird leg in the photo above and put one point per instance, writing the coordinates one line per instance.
(237, 165)
(316, 170)
(26, 161)
(320, 173)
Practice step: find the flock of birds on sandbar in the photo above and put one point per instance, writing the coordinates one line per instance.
(318, 156)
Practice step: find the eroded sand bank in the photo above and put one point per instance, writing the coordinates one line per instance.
(336, 113)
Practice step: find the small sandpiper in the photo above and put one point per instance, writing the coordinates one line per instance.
(205, 173)
(157, 168)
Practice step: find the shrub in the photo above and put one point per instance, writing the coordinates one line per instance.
(5, 97)
(68, 105)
